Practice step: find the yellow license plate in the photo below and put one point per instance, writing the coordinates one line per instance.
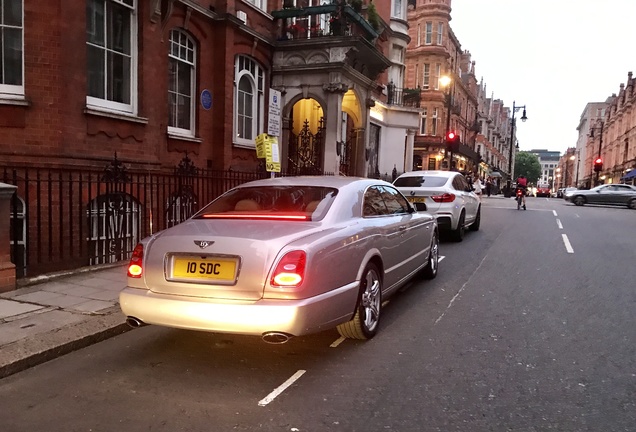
(416, 199)
(204, 268)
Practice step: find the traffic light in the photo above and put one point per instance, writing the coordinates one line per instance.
(598, 164)
(452, 141)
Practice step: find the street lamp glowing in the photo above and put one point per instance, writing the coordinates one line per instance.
(444, 80)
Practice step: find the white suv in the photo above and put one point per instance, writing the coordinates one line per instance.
(447, 196)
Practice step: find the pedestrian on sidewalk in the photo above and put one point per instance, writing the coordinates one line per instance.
(477, 186)
(488, 185)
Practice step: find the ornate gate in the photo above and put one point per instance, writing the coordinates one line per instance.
(306, 150)
(347, 167)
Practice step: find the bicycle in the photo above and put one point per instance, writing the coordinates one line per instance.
(519, 199)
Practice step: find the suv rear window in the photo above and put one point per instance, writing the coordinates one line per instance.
(420, 181)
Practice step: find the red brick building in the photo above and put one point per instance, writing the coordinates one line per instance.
(142, 86)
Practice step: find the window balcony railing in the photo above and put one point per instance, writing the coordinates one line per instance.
(403, 97)
(323, 21)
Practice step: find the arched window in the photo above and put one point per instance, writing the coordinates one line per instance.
(248, 100)
(181, 84)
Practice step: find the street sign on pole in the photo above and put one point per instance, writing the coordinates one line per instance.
(273, 118)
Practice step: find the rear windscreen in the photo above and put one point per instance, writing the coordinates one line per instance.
(266, 202)
(420, 181)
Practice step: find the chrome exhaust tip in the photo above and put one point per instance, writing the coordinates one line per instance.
(275, 337)
(134, 322)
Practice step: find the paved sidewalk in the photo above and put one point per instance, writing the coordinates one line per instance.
(59, 314)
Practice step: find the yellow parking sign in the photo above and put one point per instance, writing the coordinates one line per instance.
(272, 154)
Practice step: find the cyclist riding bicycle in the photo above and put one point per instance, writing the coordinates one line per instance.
(522, 185)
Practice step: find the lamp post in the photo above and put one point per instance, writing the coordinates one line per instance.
(600, 145)
(445, 81)
(512, 138)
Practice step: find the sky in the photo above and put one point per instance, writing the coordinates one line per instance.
(553, 56)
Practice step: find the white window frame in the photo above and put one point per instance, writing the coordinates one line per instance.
(118, 107)
(438, 74)
(429, 33)
(256, 77)
(423, 121)
(191, 46)
(435, 120)
(426, 76)
(440, 33)
(14, 91)
(261, 4)
(398, 9)
(417, 75)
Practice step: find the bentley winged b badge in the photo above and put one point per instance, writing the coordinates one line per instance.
(203, 243)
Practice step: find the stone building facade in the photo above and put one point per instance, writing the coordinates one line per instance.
(463, 106)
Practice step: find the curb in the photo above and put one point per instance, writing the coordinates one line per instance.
(32, 351)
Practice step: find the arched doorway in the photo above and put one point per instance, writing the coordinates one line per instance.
(306, 138)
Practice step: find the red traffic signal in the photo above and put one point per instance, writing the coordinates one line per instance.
(598, 164)
(452, 141)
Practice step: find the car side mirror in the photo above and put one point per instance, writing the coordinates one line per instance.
(420, 206)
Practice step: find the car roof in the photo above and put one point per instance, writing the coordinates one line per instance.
(435, 173)
(321, 181)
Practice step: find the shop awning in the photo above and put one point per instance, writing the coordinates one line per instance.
(630, 175)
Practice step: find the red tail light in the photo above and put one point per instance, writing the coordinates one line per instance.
(290, 270)
(135, 267)
(445, 198)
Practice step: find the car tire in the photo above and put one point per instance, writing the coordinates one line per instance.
(366, 320)
(477, 222)
(458, 233)
(632, 204)
(430, 271)
(578, 200)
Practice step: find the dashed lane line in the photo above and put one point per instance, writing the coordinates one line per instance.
(568, 246)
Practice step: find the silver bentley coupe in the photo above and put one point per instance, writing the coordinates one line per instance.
(284, 257)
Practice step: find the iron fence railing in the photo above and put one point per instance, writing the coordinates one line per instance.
(63, 219)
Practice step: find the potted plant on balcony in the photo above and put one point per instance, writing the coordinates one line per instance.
(373, 17)
(356, 5)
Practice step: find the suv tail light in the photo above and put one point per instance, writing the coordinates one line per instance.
(445, 198)
(290, 270)
(135, 267)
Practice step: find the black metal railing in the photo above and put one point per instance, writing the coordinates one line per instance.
(63, 219)
(403, 97)
(325, 20)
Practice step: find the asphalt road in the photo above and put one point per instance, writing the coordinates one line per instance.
(529, 326)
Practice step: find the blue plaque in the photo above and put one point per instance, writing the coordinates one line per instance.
(206, 99)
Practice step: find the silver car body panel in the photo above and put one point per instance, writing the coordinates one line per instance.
(338, 247)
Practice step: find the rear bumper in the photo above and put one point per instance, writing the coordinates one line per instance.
(294, 317)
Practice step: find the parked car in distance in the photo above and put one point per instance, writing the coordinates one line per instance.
(543, 190)
(284, 257)
(447, 195)
(607, 194)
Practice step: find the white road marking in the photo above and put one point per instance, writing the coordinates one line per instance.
(568, 246)
(337, 342)
(270, 397)
(559, 224)
(554, 212)
(441, 258)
